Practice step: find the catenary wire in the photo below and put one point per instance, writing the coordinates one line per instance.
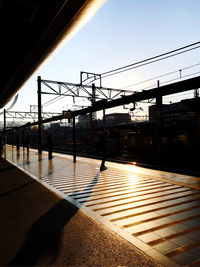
(163, 75)
(151, 58)
(147, 63)
(152, 86)
(134, 65)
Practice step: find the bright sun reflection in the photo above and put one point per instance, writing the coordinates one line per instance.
(133, 168)
(133, 178)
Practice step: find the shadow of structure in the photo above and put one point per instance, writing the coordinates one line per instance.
(44, 237)
(88, 190)
(16, 189)
(3, 169)
(7, 168)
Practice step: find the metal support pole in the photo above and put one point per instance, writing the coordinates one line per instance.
(93, 114)
(93, 100)
(18, 138)
(74, 139)
(196, 93)
(4, 127)
(104, 119)
(39, 117)
(12, 138)
(93, 117)
(23, 141)
(159, 102)
(159, 98)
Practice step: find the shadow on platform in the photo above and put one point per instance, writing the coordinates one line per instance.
(39, 227)
(44, 237)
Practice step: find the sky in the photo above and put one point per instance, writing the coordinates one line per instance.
(122, 32)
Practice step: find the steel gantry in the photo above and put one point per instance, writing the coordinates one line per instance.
(90, 92)
(158, 93)
(186, 85)
(25, 115)
(83, 91)
(29, 115)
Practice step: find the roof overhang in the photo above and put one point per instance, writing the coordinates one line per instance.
(30, 31)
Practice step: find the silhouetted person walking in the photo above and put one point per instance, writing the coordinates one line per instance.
(50, 145)
(103, 146)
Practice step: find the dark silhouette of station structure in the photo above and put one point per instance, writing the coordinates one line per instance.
(31, 30)
(36, 31)
(105, 102)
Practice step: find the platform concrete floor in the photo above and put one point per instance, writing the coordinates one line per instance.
(39, 227)
(157, 212)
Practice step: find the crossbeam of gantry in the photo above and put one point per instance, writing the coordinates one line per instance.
(29, 115)
(186, 85)
(170, 89)
(84, 91)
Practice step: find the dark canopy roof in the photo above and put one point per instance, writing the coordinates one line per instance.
(30, 30)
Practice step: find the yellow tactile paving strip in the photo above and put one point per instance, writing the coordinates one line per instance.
(154, 208)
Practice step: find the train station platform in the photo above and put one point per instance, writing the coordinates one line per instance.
(59, 213)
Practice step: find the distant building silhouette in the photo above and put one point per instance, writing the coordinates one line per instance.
(111, 119)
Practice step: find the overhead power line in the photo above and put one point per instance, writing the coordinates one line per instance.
(151, 58)
(171, 80)
(146, 62)
(138, 64)
(162, 75)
